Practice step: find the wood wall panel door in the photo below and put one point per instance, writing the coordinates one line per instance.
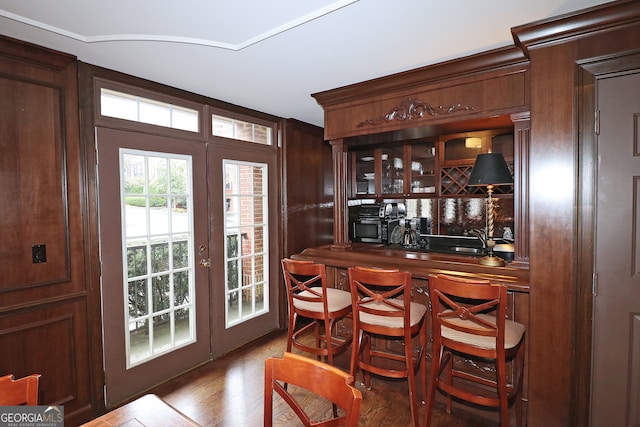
(615, 398)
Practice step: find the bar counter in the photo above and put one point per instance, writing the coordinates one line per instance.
(515, 276)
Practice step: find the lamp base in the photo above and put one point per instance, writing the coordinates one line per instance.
(492, 261)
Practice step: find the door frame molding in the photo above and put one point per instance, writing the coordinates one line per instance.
(588, 72)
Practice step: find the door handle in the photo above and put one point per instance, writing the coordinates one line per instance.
(205, 263)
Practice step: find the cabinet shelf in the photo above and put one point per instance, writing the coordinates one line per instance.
(427, 168)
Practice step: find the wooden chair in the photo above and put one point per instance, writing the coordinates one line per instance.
(382, 307)
(23, 391)
(469, 320)
(311, 298)
(321, 379)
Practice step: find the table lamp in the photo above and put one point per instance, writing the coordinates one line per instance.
(489, 170)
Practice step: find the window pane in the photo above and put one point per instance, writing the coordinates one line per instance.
(158, 216)
(136, 260)
(160, 289)
(178, 176)
(180, 288)
(179, 215)
(158, 175)
(180, 252)
(139, 341)
(118, 105)
(232, 246)
(222, 126)
(183, 326)
(160, 256)
(138, 298)
(155, 113)
(233, 274)
(182, 118)
(162, 339)
(134, 173)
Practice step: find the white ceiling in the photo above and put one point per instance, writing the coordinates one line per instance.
(271, 55)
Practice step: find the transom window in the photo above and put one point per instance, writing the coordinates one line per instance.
(238, 129)
(144, 110)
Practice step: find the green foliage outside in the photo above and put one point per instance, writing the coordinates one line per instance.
(137, 266)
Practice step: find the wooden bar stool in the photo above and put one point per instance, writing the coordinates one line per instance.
(382, 308)
(311, 298)
(321, 379)
(469, 320)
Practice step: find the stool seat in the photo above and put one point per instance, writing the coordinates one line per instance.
(416, 314)
(513, 333)
(337, 300)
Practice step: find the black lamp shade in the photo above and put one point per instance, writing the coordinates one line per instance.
(490, 169)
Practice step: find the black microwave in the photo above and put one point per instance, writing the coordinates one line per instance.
(373, 230)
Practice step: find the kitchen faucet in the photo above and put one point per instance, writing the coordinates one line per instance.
(480, 234)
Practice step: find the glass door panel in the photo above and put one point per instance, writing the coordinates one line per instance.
(392, 170)
(423, 166)
(157, 240)
(365, 172)
(246, 240)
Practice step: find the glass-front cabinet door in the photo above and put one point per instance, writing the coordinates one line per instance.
(393, 167)
(364, 173)
(423, 168)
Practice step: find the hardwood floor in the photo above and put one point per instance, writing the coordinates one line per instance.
(229, 392)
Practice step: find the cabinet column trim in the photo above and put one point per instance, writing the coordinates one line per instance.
(339, 154)
(521, 185)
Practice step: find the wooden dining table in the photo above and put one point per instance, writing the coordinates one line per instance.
(148, 411)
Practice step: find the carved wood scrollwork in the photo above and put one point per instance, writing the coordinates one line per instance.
(411, 109)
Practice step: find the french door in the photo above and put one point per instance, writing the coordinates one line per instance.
(155, 259)
(243, 218)
(187, 230)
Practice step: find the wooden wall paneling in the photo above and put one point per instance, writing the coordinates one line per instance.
(43, 310)
(33, 184)
(553, 186)
(44, 341)
(307, 187)
(306, 192)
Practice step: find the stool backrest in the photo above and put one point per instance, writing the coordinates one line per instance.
(462, 306)
(23, 391)
(317, 377)
(300, 276)
(381, 292)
